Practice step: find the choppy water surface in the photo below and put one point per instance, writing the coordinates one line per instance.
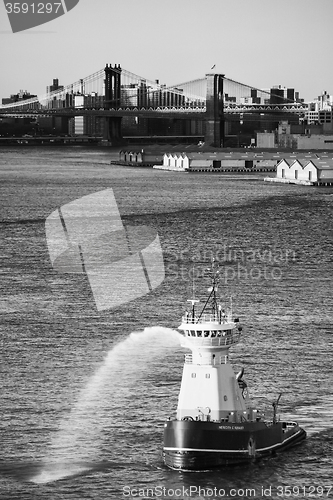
(85, 394)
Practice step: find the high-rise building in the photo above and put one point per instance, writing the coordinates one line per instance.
(54, 87)
(283, 95)
(277, 95)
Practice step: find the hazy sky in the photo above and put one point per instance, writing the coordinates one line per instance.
(257, 42)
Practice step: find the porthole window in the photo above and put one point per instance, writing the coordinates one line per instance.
(193, 375)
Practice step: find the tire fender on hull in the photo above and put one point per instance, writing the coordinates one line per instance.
(251, 447)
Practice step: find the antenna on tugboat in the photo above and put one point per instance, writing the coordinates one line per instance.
(275, 405)
(193, 300)
(193, 294)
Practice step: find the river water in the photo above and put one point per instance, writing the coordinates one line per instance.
(85, 393)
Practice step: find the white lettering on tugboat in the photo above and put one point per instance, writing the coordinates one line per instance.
(231, 427)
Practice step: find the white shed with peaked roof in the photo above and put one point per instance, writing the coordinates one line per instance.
(317, 171)
(283, 167)
(310, 172)
(173, 161)
(324, 170)
(298, 172)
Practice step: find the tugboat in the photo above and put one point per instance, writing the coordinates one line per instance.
(217, 423)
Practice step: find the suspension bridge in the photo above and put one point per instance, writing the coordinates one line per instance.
(114, 93)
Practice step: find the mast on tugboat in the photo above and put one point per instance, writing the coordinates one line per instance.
(214, 273)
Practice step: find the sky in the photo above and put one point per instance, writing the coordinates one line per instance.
(257, 42)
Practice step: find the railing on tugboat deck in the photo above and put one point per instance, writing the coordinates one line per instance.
(226, 340)
(207, 318)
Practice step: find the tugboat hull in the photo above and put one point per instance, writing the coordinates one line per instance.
(199, 445)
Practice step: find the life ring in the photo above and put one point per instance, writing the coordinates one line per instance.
(188, 418)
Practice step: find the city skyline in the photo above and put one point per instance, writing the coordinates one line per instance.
(256, 42)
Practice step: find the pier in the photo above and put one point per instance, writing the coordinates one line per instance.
(48, 140)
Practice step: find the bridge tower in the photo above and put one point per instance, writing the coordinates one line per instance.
(112, 128)
(214, 134)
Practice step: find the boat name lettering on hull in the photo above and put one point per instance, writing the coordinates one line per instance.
(231, 428)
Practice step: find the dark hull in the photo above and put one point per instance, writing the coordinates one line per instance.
(196, 445)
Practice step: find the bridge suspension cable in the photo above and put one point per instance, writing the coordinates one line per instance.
(139, 91)
(89, 84)
(237, 92)
(196, 88)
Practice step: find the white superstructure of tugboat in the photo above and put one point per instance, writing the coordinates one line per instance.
(216, 422)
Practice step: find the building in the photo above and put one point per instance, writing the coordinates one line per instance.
(321, 112)
(178, 162)
(221, 161)
(323, 102)
(298, 136)
(311, 116)
(266, 140)
(278, 94)
(303, 171)
(139, 158)
(23, 95)
(298, 170)
(54, 87)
